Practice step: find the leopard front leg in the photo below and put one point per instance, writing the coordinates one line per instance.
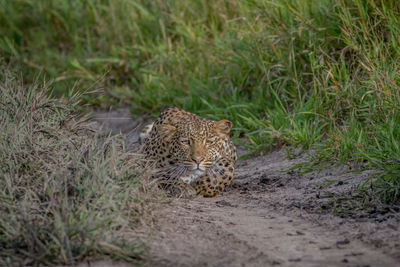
(217, 178)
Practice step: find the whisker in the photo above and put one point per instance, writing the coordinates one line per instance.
(188, 164)
(210, 171)
(177, 171)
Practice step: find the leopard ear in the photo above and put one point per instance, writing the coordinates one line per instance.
(223, 127)
(166, 131)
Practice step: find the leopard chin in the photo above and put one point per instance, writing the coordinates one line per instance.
(192, 177)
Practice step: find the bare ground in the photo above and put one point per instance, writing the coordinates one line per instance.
(268, 217)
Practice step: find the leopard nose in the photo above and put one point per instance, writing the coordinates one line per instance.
(198, 160)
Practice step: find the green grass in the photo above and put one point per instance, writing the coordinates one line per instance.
(316, 74)
(66, 193)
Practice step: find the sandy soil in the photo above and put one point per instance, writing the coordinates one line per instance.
(267, 217)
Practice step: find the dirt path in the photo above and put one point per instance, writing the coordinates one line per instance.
(267, 217)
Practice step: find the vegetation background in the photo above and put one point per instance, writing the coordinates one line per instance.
(320, 75)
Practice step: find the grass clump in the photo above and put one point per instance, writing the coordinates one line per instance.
(67, 193)
(317, 74)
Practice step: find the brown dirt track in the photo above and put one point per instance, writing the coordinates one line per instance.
(267, 217)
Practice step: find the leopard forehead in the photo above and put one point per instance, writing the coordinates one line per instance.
(188, 124)
(196, 130)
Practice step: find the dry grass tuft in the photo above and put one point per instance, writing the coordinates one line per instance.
(67, 193)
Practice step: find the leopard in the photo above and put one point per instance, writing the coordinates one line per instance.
(182, 146)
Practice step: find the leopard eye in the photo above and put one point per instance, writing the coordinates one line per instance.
(185, 141)
(209, 141)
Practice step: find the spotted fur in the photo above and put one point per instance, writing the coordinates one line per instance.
(188, 148)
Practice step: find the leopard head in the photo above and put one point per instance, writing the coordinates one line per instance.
(195, 147)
